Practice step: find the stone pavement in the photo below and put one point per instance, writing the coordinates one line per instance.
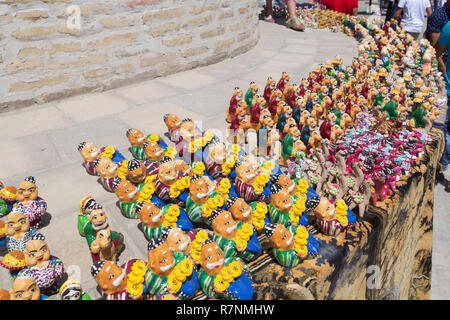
(42, 140)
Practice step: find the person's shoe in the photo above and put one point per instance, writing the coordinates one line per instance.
(269, 18)
(295, 24)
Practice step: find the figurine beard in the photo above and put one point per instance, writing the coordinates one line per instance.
(99, 226)
(212, 265)
(119, 280)
(202, 195)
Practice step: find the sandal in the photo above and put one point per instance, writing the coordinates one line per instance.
(295, 24)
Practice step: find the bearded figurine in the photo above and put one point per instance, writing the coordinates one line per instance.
(237, 96)
(89, 152)
(47, 269)
(223, 278)
(251, 183)
(29, 202)
(286, 209)
(251, 93)
(216, 156)
(124, 282)
(325, 127)
(173, 124)
(291, 245)
(7, 198)
(155, 219)
(25, 287)
(137, 140)
(235, 239)
(108, 172)
(331, 218)
(138, 172)
(283, 81)
(190, 141)
(291, 144)
(271, 85)
(170, 272)
(254, 213)
(71, 290)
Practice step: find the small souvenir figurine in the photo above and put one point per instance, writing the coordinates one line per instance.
(286, 209)
(237, 96)
(7, 199)
(155, 219)
(251, 183)
(173, 124)
(242, 212)
(330, 218)
(361, 197)
(108, 172)
(120, 283)
(250, 94)
(235, 239)
(325, 127)
(203, 198)
(25, 287)
(215, 158)
(47, 269)
(283, 80)
(223, 278)
(170, 272)
(17, 230)
(291, 245)
(168, 174)
(136, 172)
(190, 140)
(28, 200)
(90, 152)
(291, 144)
(71, 290)
(178, 240)
(137, 140)
(271, 85)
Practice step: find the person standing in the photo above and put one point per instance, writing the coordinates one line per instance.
(392, 7)
(413, 15)
(293, 22)
(435, 24)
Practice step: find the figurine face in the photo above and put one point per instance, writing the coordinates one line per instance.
(153, 151)
(151, 215)
(287, 183)
(90, 152)
(16, 224)
(161, 260)
(266, 120)
(224, 225)
(111, 278)
(247, 172)
(36, 253)
(106, 168)
(254, 87)
(298, 146)
(294, 133)
(27, 192)
(211, 259)
(240, 210)
(98, 219)
(182, 166)
(187, 130)
(287, 110)
(289, 122)
(332, 117)
(173, 122)
(282, 200)
(178, 241)
(25, 289)
(168, 173)
(325, 210)
(137, 175)
(241, 109)
(238, 93)
(200, 190)
(136, 137)
(217, 152)
(282, 239)
(127, 192)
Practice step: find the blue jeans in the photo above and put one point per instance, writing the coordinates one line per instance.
(446, 155)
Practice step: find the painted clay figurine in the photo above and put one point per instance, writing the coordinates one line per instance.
(25, 287)
(173, 124)
(71, 290)
(29, 201)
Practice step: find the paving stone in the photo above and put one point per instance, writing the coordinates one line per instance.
(145, 92)
(189, 80)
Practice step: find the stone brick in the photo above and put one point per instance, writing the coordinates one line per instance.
(199, 21)
(148, 61)
(244, 10)
(100, 58)
(237, 26)
(23, 65)
(33, 14)
(163, 14)
(187, 38)
(226, 3)
(124, 37)
(198, 10)
(224, 43)
(6, 18)
(86, 10)
(97, 73)
(194, 51)
(135, 3)
(116, 22)
(213, 33)
(163, 29)
(228, 13)
(46, 81)
(65, 47)
(127, 54)
(124, 68)
(25, 52)
(34, 33)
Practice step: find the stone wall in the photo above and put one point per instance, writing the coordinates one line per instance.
(119, 42)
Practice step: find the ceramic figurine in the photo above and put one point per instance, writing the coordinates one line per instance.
(17, 230)
(71, 290)
(7, 199)
(90, 152)
(291, 245)
(25, 287)
(168, 173)
(237, 96)
(291, 144)
(170, 272)
(255, 212)
(223, 278)
(28, 200)
(138, 139)
(124, 282)
(331, 218)
(173, 124)
(215, 158)
(250, 183)
(179, 240)
(155, 219)
(189, 134)
(250, 94)
(284, 208)
(271, 85)
(108, 172)
(283, 80)
(235, 239)
(47, 269)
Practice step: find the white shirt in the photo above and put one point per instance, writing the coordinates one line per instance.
(414, 13)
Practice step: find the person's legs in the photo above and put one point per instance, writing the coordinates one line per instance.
(293, 22)
(446, 155)
(268, 11)
(292, 8)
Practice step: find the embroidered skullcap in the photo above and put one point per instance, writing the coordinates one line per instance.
(97, 206)
(154, 243)
(165, 159)
(207, 241)
(133, 164)
(165, 232)
(166, 116)
(186, 120)
(230, 201)
(96, 162)
(196, 177)
(239, 161)
(128, 132)
(275, 178)
(96, 267)
(30, 179)
(18, 209)
(25, 274)
(269, 229)
(139, 207)
(275, 188)
(312, 203)
(146, 143)
(38, 236)
(86, 204)
(81, 145)
(115, 183)
(215, 213)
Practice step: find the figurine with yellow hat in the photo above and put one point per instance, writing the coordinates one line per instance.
(71, 290)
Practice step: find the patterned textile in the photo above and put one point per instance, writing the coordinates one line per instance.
(438, 19)
(19, 244)
(330, 228)
(162, 190)
(46, 277)
(107, 183)
(151, 166)
(138, 153)
(90, 168)
(213, 169)
(245, 191)
(34, 211)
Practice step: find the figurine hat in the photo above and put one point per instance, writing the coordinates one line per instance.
(275, 178)
(207, 241)
(96, 162)
(26, 274)
(30, 179)
(230, 201)
(69, 284)
(133, 164)
(312, 203)
(18, 209)
(275, 188)
(215, 214)
(115, 183)
(38, 236)
(97, 267)
(165, 159)
(96, 206)
(81, 145)
(269, 229)
(154, 243)
(165, 232)
(86, 205)
(196, 177)
(145, 144)
(128, 132)
(186, 120)
(139, 207)
(166, 116)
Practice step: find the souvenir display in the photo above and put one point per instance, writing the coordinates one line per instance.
(71, 290)
(89, 152)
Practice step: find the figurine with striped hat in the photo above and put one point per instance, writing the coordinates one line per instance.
(29, 202)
